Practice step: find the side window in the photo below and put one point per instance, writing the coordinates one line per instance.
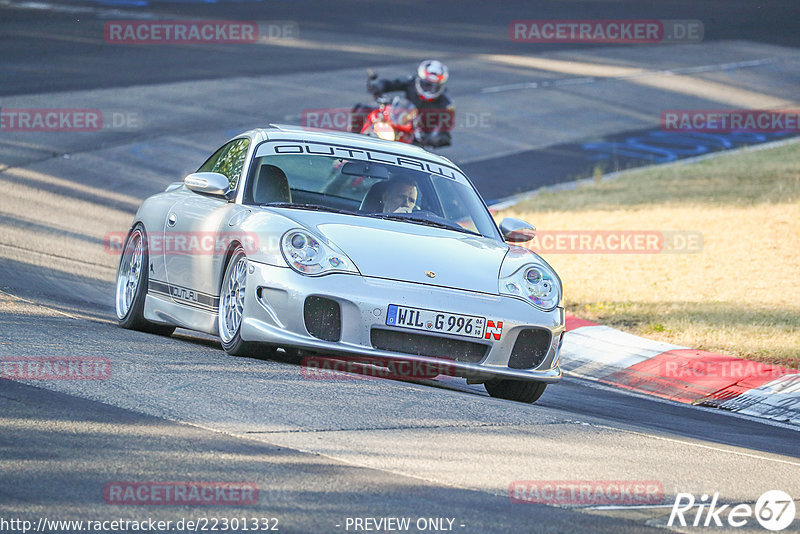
(228, 160)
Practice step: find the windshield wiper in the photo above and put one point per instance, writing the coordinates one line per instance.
(426, 222)
(310, 207)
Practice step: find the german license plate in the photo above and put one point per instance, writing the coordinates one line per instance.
(435, 321)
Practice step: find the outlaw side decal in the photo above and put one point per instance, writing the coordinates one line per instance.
(184, 295)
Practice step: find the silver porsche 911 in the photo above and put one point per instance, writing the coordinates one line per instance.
(345, 246)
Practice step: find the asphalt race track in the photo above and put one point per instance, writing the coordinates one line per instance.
(323, 451)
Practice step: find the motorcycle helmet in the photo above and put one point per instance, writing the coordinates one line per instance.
(431, 78)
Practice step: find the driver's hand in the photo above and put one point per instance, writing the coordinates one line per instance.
(403, 209)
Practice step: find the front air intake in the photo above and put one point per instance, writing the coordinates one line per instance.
(530, 349)
(323, 318)
(425, 345)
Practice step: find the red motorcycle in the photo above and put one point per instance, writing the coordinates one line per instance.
(393, 120)
(398, 119)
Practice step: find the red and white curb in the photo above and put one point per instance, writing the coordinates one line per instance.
(606, 355)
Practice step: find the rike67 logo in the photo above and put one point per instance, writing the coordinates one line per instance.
(774, 510)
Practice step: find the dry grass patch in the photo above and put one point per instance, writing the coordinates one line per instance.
(739, 295)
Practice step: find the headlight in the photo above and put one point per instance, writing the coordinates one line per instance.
(535, 283)
(384, 131)
(307, 254)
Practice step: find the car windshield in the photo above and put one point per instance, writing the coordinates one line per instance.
(408, 190)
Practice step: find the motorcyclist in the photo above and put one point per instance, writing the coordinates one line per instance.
(426, 90)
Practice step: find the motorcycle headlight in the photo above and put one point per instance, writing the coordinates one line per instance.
(384, 131)
(534, 283)
(307, 254)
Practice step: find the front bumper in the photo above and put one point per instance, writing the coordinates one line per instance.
(276, 297)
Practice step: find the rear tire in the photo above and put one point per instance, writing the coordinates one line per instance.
(132, 281)
(230, 312)
(515, 390)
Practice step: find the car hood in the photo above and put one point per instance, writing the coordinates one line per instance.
(409, 252)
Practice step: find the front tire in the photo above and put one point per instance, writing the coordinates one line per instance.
(230, 312)
(132, 281)
(515, 390)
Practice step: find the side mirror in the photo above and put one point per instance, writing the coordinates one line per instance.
(516, 231)
(209, 183)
